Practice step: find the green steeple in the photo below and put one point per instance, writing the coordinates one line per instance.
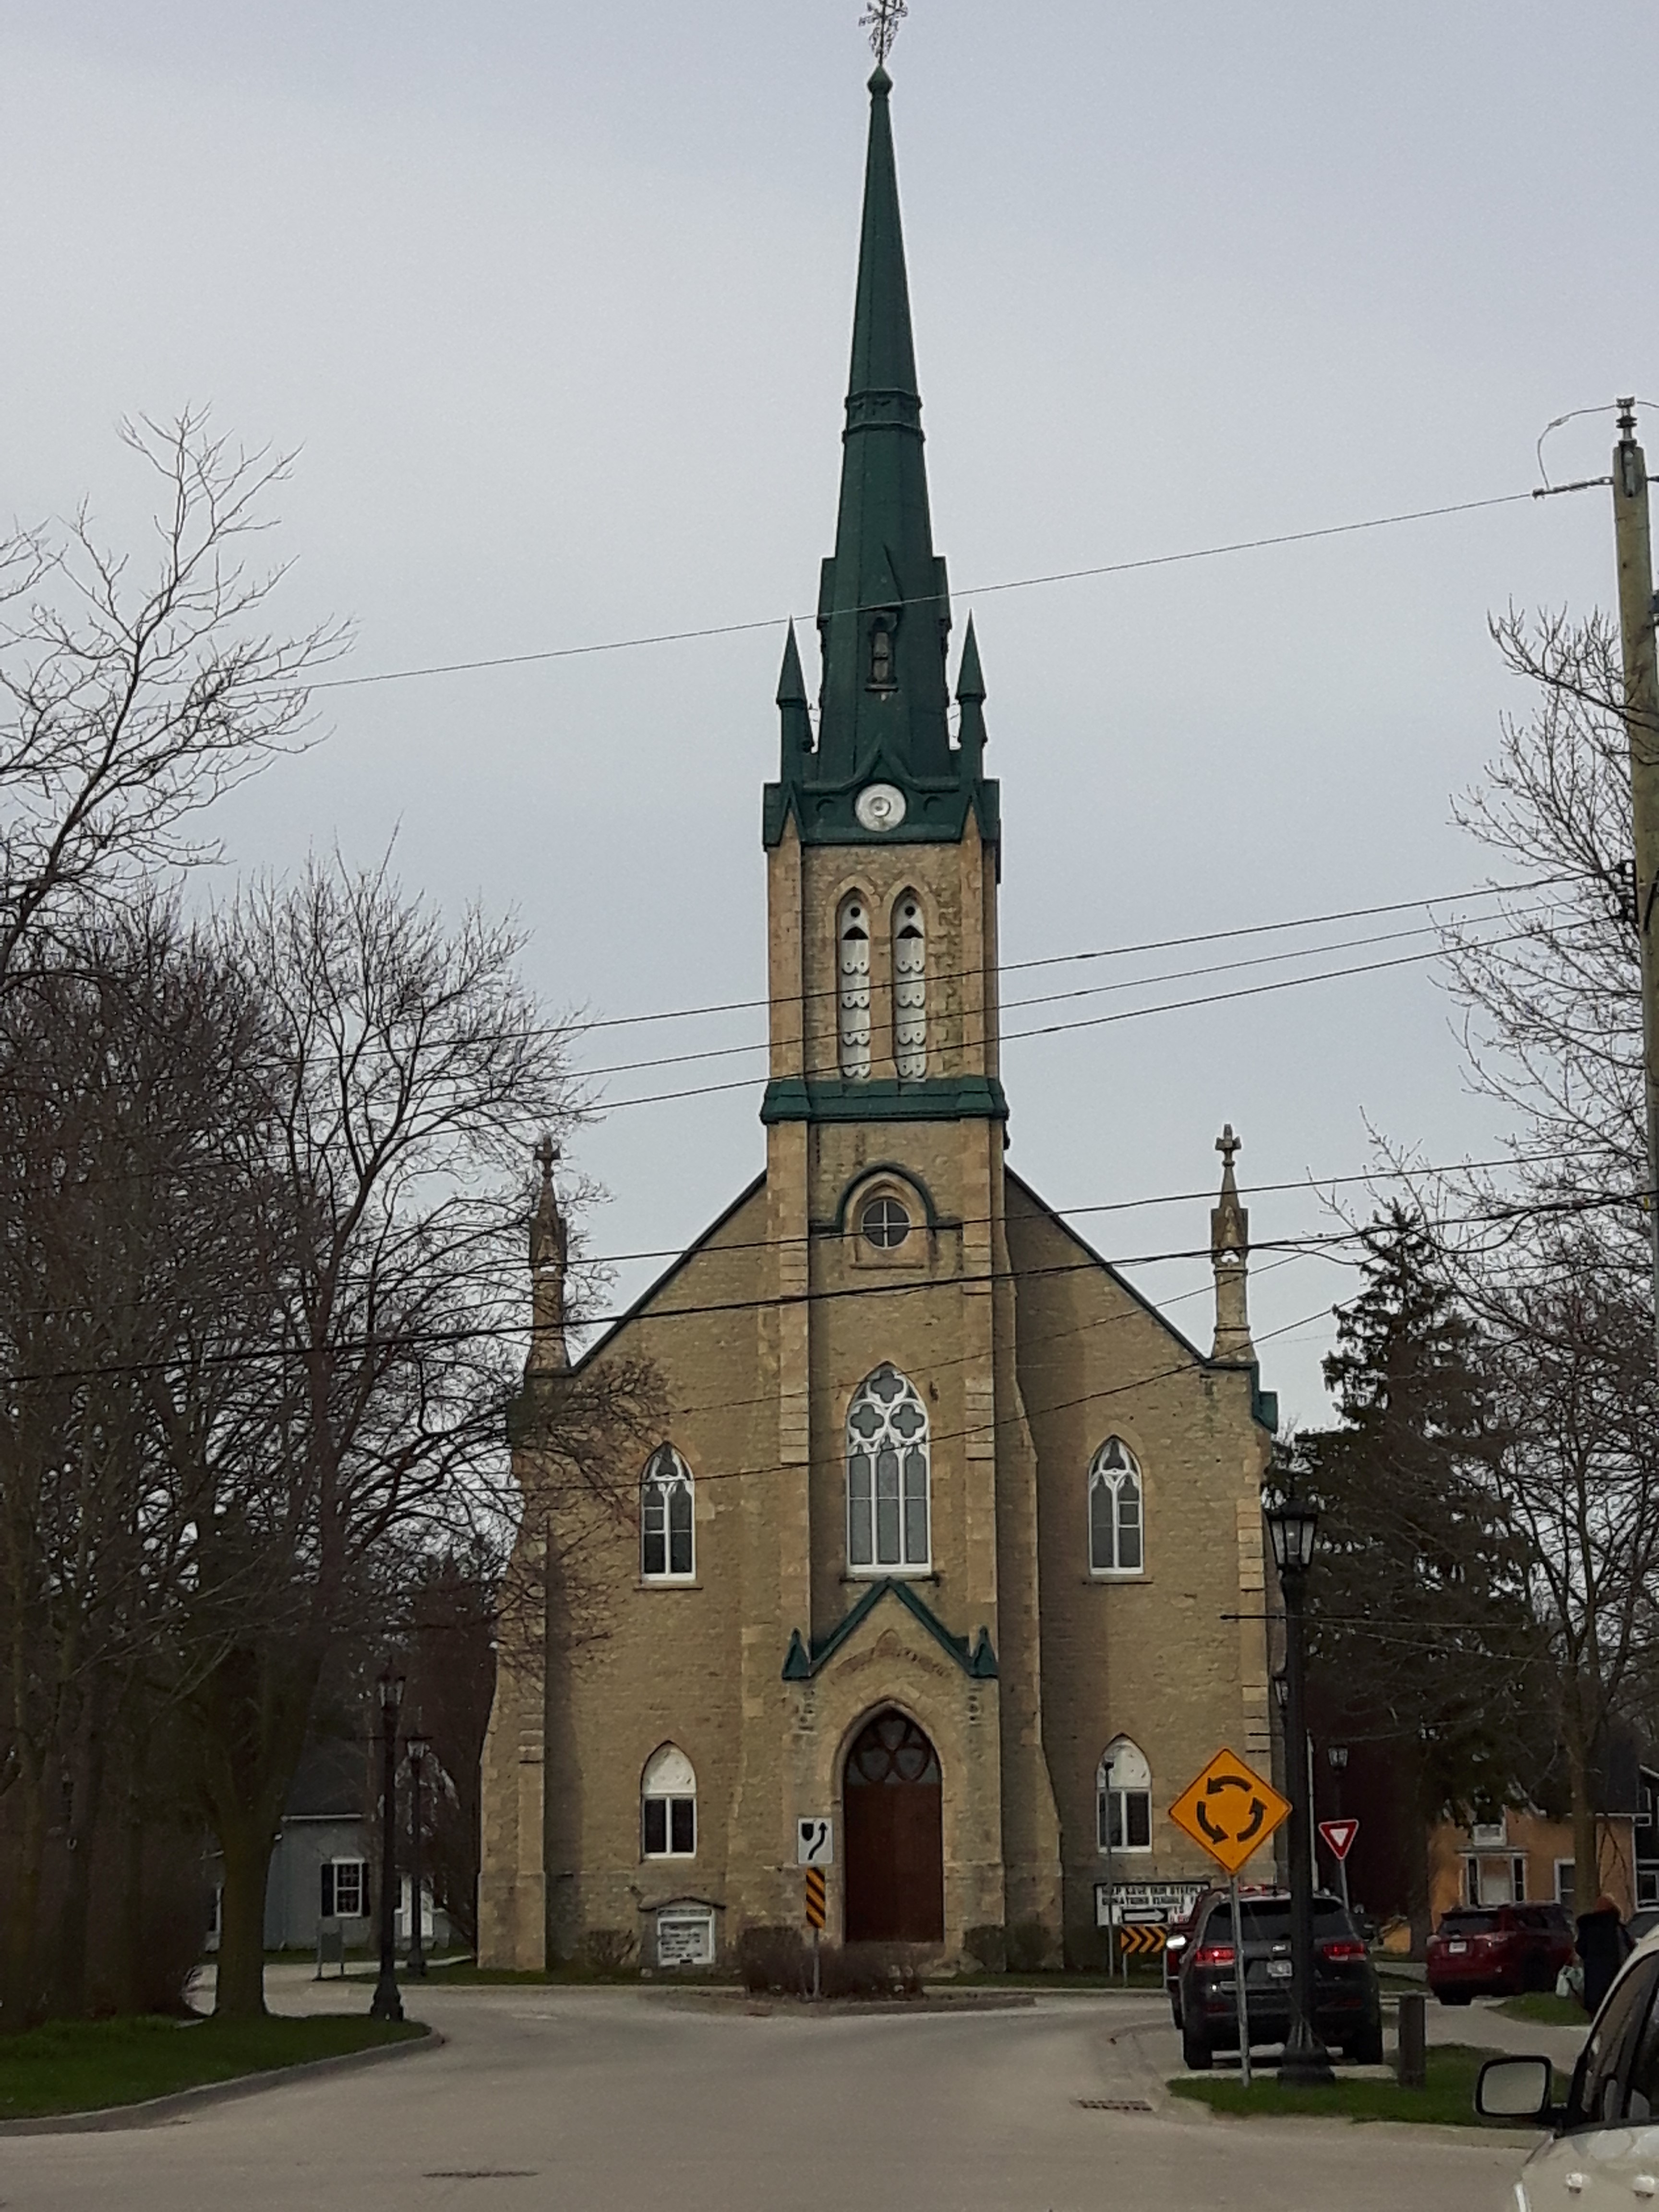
(884, 606)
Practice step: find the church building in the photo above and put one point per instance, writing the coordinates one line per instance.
(949, 1538)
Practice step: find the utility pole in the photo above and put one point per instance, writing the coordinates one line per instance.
(1641, 709)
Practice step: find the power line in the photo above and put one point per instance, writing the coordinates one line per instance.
(1115, 952)
(1091, 1021)
(930, 599)
(437, 1338)
(1093, 990)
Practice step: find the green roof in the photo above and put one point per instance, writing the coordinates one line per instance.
(883, 603)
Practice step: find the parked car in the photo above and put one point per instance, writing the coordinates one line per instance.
(1601, 2143)
(1347, 2005)
(1498, 1950)
(1642, 1923)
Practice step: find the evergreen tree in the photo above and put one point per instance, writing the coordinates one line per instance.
(1420, 1630)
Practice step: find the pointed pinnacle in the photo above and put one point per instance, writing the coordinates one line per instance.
(792, 685)
(971, 683)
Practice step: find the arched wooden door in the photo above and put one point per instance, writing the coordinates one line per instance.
(892, 1803)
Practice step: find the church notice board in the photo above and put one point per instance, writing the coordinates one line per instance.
(1231, 1809)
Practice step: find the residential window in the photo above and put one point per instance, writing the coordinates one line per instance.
(853, 987)
(1116, 1521)
(1489, 1879)
(887, 1473)
(667, 1548)
(909, 988)
(668, 1806)
(344, 1889)
(1123, 1791)
(1566, 1882)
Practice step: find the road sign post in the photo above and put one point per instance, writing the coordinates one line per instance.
(1337, 1837)
(1240, 1998)
(815, 1916)
(1231, 1810)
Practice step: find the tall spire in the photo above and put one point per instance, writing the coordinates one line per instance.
(549, 1353)
(882, 612)
(1230, 1256)
(883, 605)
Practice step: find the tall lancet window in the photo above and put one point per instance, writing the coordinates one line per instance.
(887, 1471)
(853, 985)
(910, 988)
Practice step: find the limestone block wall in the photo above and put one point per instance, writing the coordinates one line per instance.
(1163, 1656)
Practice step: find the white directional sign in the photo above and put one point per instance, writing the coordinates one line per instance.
(815, 1842)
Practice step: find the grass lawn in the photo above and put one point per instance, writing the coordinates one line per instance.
(1546, 2009)
(82, 2065)
(1447, 2101)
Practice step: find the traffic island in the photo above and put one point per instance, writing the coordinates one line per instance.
(94, 2066)
(1446, 2100)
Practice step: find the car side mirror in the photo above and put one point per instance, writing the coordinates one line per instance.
(1516, 2089)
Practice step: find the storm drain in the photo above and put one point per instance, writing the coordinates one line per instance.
(1112, 2103)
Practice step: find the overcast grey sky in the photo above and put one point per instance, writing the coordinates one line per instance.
(554, 302)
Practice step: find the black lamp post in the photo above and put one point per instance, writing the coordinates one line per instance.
(1293, 1527)
(418, 1747)
(387, 2004)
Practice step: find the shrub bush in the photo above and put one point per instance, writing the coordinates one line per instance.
(987, 1946)
(773, 1961)
(1030, 1946)
(608, 1950)
(871, 1970)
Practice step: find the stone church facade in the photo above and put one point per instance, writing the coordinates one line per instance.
(944, 1514)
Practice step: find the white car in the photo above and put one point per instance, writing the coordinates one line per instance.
(1604, 2144)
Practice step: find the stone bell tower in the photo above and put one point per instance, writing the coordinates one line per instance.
(885, 1112)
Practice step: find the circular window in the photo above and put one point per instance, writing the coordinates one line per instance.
(885, 1223)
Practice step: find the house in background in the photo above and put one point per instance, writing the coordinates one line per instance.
(326, 1865)
(1524, 1857)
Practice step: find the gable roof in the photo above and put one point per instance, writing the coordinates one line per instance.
(662, 1280)
(978, 1660)
(1122, 1280)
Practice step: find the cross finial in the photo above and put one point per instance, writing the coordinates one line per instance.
(881, 19)
(546, 1152)
(1226, 1144)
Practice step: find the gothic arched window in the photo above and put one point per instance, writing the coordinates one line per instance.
(853, 985)
(1116, 1511)
(1124, 1798)
(667, 1545)
(668, 1806)
(887, 1473)
(910, 988)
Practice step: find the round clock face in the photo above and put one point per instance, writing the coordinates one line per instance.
(879, 806)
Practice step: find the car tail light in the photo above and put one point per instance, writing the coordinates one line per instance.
(1213, 1954)
(1342, 1946)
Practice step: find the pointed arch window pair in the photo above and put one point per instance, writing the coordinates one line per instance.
(909, 969)
(1117, 1528)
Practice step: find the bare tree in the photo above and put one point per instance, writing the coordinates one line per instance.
(410, 1072)
(134, 694)
(122, 1057)
(1572, 1351)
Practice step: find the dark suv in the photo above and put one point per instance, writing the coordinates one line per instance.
(1498, 1950)
(1347, 2005)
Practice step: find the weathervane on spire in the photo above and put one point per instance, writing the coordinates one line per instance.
(882, 20)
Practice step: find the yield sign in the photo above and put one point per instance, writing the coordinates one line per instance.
(1340, 1835)
(1229, 1809)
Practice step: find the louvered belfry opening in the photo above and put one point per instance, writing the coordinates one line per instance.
(893, 1819)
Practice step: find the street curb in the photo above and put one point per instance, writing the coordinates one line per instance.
(154, 2111)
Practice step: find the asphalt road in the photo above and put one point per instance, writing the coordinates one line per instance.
(634, 2103)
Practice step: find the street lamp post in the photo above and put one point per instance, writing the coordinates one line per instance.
(418, 1747)
(1293, 1526)
(387, 2004)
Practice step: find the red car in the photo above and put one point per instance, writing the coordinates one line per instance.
(1498, 1951)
